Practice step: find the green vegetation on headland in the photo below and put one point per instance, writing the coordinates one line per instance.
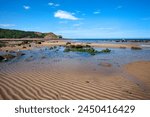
(7, 33)
(84, 48)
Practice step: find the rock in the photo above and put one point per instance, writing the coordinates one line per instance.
(105, 50)
(104, 64)
(25, 42)
(135, 48)
(1, 58)
(39, 43)
(87, 81)
(122, 47)
(68, 43)
(88, 46)
(24, 47)
(20, 54)
(11, 51)
(81, 48)
(54, 47)
(8, 56)
(43, 57)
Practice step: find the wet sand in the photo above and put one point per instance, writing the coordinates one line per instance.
(141, 71)
(69, 79)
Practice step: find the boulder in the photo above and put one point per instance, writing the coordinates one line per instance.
(1, 58)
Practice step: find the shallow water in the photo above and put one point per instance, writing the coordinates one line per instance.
(116, 57)
(124, 56)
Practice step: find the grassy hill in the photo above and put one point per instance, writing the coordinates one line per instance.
(8, 33)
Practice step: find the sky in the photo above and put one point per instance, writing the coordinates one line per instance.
(79, 18)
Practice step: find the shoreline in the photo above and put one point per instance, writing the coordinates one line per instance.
(58, 42)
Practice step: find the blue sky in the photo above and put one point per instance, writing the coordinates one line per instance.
(79, 18)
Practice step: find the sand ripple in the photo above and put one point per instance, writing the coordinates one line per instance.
(59, 81)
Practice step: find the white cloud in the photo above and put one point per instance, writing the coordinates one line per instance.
(53, 4)
(7, 25)
(50, 4)
(65, 15)
(26, 7)
(97, 12)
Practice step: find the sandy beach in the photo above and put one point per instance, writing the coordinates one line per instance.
(65, 77)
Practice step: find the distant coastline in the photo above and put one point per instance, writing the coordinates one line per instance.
(19, 34)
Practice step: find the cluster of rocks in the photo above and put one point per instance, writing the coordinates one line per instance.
(10, 56)
(84, 48)
(6, 57)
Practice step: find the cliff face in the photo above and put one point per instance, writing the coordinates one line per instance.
(7, 33)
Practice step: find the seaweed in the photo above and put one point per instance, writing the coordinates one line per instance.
(81, 48)
(135, 48)
(105, 50)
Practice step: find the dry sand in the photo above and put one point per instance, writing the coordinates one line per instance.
(63, 80)
(100, 45)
